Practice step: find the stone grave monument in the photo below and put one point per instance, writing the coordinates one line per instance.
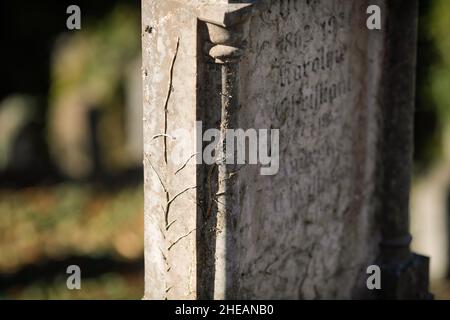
(277, 149)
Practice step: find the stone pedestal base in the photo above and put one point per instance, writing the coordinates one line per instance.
(408, 281)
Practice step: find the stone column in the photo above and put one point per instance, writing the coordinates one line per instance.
(224, 42)
(405, 275)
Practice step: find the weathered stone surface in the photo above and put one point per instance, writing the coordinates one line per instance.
(312, 69)
(169, 75)
(308, 68)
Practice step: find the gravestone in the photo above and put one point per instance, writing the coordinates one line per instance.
(335, 100)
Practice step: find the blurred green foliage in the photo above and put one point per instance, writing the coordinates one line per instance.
(90, 73)
(55, 223)
(439, 30)
(433, 85)
(107, 286)
(92, 62)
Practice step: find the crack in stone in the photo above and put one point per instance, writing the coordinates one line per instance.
(186, 163)
(169, 93)
(180, 238)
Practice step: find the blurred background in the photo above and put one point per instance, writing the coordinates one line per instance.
(430, 201)
(71, 149)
